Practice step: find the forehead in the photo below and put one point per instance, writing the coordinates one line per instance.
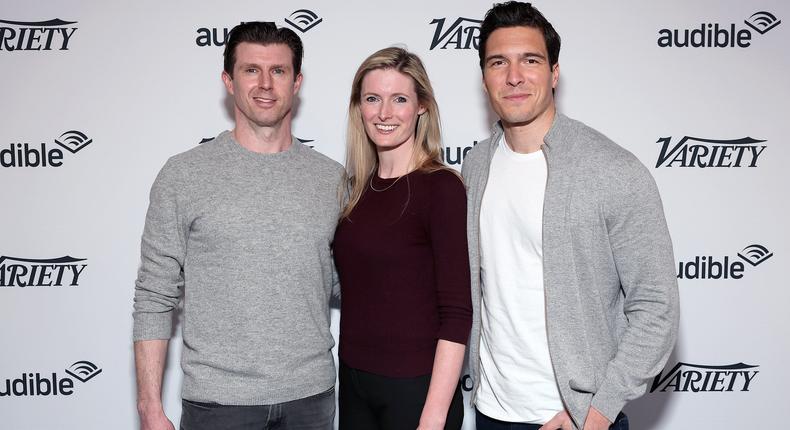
(255, 53)
(387, 81)
(516, 40)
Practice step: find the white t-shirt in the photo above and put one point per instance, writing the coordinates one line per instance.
(517, 381)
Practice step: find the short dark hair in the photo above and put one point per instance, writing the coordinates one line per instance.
(518, 14)
(262, 33)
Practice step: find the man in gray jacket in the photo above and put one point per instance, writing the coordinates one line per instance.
(240, 227)
(573, 282)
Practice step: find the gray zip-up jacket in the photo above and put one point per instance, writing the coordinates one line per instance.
(608, 269)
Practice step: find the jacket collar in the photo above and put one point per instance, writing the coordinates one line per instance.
(554, 138)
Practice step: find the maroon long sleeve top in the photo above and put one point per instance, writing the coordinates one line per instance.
(403, 263)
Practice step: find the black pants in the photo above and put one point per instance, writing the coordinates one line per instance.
(374, 402)
(484, 422)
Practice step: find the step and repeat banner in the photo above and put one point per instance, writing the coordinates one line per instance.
(96, 96)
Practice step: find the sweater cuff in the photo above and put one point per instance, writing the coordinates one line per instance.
(150, 326)
(608, 402)
(457, 332)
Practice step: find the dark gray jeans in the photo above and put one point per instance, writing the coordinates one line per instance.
(311, 413)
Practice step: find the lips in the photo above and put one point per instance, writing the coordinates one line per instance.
(385, 128)
(264, 100)
(517, 97)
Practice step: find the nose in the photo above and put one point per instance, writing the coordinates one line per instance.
(385, 111)
(514, 75)
(265, 81)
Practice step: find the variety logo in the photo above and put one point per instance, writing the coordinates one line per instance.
(54, 34)
(27, 272)
(463, 33)
(718, 35)
(696, 152)
(28, 155)
(453, 155)
(37, 384)
(303, 19)
(685, 377)
(708, 267)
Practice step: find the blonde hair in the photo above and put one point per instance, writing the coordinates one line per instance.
(361, 155)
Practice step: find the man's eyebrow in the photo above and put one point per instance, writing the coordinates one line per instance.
(495, 56)
(521, 55)
(533, 54)
(270, 66)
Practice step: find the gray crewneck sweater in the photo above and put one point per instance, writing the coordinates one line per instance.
(244, 238)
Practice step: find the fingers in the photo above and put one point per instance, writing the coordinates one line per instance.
(560, 421)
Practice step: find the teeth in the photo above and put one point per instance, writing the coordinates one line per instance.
(383, 127)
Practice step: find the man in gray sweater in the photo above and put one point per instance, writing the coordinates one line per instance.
(573, 284)
(240, 227)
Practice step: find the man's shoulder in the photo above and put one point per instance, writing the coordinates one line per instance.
(601, 158)
(598, 148)
(478, 155)
(322, 168)
(319, 160)
(204, 152)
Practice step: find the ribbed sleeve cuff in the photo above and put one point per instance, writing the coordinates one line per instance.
(608, 402)
(150, 326)
(455, 331)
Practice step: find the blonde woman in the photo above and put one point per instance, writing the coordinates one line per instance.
(401, 253)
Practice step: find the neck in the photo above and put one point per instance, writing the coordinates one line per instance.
(394, 162)
(528, 137)
(266, 140)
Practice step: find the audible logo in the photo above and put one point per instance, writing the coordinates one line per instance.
(300, 19)
(303, 19)
(456, 155)
(51, 384)
(709, 267)
(717, 35)
(25, 154)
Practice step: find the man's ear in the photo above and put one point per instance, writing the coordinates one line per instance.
(297, 83)
(555, 75)
(228, 81)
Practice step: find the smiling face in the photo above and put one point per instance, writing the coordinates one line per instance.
(389, 108)
(517, 76)
(263, 85)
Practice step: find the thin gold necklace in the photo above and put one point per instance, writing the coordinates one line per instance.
(383, 189)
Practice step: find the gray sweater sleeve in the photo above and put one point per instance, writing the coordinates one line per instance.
(642, 251)
(160, 278)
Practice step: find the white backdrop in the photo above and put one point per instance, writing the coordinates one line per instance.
(132, 78)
